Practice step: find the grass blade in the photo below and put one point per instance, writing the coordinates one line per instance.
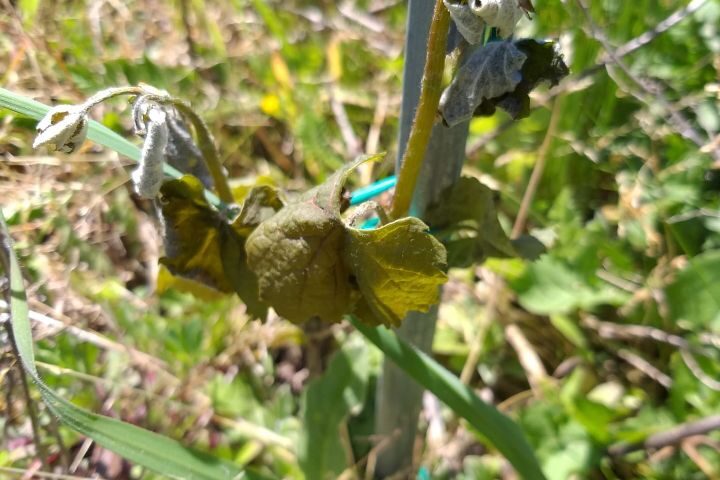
(499, 429)
(149, 449)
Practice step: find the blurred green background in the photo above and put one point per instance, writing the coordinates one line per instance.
(611, 336)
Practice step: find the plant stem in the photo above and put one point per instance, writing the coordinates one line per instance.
(426, 111)
(537, 172)
(109, 93)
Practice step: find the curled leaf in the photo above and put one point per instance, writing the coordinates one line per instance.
(501, 14)
(466, 222)
(310, 264)
(181, 151)
(398, 268)
(490, 72)
(470, 26)
(148, 176)
(544, 64)
(501, 74)
(297, 254)
(64, 127)
(203, 247)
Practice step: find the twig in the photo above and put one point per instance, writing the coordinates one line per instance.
(689, 446)
(352, 143)
(83, 335)
(649, 95)
(645, 367)
(662, 27)
(615, 331)
(537, 172)
(275, 153)
(529, 359)
(381, 110)
(697, 370)
(669, 437)
(426, 111)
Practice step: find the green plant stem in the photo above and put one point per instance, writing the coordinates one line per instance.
(426, 111)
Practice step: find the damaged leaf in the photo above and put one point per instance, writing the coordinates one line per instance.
(201, 246)
(470, 26)
(467, 224)
(297, 257)
(398, 268)
(544, 64)
(464, 98)
(310, 264)
(490, 72)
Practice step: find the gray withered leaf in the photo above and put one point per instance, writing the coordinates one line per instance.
(490, 72)
(181, 151)
(501, 14)
(544, 64)
(470, 25)
(466, 222)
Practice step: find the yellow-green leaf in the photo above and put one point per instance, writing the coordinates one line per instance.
(398, 268)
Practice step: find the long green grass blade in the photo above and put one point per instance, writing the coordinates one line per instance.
(151, 450)
(499, 429)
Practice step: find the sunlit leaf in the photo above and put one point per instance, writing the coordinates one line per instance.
(398, 268)
(548, 286)
(694, 295)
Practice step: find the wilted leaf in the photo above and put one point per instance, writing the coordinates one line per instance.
(694, 295)
(466, 222)
(398, 268)
(544, 64)
(311, 265)
(297, 256)
(490, 72)
(203, 247)
(470, 26)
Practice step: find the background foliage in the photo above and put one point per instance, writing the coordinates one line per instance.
(610, 337)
